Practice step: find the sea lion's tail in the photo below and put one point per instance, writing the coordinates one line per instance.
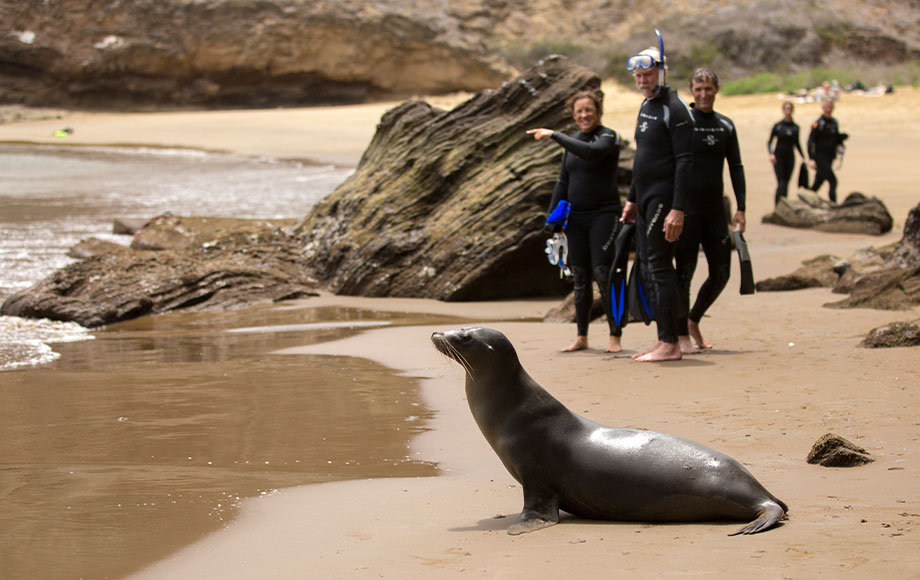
(769, 514)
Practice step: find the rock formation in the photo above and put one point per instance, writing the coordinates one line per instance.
(239, 263)
(893, 335)
(857, 214)
(886, 278)
(235, 53)
(450, 204)
(834, 451)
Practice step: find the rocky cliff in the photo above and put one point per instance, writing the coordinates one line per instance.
(244, 53)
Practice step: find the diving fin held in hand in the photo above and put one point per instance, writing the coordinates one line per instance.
(618, 274)
(744, 258)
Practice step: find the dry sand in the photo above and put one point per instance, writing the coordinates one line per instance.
(785, 371)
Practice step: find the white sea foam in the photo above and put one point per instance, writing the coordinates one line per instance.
(27, 342)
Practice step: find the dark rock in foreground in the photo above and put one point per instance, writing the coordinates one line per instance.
(857, 214)
(893, 335)
(450, 204)
(835, 451)
(247, 262)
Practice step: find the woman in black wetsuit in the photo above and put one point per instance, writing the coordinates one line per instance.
(588, 181)
(786, 133)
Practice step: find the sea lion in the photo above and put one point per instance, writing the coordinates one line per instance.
(564, 461)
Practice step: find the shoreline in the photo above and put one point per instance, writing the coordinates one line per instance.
(785, 370)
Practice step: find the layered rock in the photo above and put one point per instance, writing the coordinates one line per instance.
(857, 214)
(450, 204)
(241, 263)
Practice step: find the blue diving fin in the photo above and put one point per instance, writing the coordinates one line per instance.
(618, 275)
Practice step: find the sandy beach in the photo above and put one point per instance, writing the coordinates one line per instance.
(784, 371)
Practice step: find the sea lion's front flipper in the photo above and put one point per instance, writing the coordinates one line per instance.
(540, 511)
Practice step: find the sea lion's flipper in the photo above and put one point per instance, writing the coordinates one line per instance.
(769, 515)
(618, 270)
(540, 511)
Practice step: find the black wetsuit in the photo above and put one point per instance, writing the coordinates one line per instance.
(588, 181)
(715, 141)
(660, 183)
(786, 134)
(822, 148)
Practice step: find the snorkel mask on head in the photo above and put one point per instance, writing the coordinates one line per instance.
(648, 58)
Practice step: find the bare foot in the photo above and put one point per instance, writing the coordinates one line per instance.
(581, 343)
(613, 345)
(664, 351)
(686, 347)
(646, 351)
(694, 329)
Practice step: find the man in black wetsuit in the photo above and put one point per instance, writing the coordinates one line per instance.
(823, 141)
(658, 195)
(786, 133)
(715, 140)
(588, 181)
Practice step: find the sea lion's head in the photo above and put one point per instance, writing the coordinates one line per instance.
(477, 349)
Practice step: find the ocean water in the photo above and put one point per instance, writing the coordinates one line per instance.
(51, 197)
(122, 444)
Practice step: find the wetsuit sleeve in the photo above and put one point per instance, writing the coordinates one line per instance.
(736, 170)
(681, 130)
(561, 190)
(606, 144)
(773, 135)
(798, 142)
(811, 141)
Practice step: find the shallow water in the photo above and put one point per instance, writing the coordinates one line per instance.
(141, 441)
(120, 445)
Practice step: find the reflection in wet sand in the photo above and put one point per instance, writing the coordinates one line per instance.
(137, 443)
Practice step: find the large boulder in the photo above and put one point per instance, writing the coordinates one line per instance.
(247, 262)
(857, 214)
(451, 204)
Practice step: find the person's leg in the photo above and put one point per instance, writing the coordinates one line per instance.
(832, 180)
(664, 280)
(580, 263)
(716, 243)
(686, 255)
(602, 235)
(783, 170)
(820, 173)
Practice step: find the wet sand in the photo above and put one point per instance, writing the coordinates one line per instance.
(784, 371)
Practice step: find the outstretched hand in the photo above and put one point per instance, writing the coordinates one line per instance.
(540, 134)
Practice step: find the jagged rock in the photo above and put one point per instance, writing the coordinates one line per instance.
(835, 451)
(170, 232)
(815, 273)
(128, 226)
(451, 204)
(565, 312)
(893, 284)
(893, 334)
(245, 264)
(857, 214)
(95, 247)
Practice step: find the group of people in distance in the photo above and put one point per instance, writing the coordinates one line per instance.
(675, 199)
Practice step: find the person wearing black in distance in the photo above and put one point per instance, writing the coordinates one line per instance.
(658, 194)
(588, 181)
(823, 141)
(786, 134)
(715, 141)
